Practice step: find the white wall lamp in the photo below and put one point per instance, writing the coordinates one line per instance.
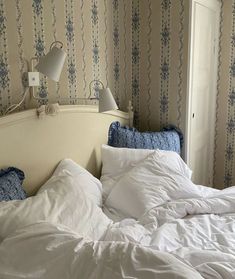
(106, 99)
(50, 65)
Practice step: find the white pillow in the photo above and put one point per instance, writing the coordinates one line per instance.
(151, 183)
(117, 161)
(62, 202)
(91, 186)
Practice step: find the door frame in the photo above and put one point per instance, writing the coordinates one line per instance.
(190, 83)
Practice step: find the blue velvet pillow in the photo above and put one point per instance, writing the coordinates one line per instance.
(11, 180)
(169, 139)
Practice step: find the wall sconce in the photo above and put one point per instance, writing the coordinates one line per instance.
(50, 65)
(106, 99)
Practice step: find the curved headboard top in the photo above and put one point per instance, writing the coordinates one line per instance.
(36, 145)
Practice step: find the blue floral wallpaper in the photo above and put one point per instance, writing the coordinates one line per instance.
(224, 163)
(139, 48)
(125, 44)
(4, 59)
(230, 125)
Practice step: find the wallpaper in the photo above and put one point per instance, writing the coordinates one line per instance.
(134, 47)
(224, 164)
(139, 48)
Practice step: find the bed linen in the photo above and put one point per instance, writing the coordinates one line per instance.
(171, 214)
(116, 162)
(186, 235)
(89, 184)
(60, 201)
(53, 252)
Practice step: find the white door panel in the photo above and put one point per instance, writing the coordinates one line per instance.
(202, 88)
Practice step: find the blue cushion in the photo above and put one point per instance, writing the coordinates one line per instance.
(11, 180)
(170, 139)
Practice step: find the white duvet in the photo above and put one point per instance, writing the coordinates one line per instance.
(192, 222)
(172, 229)
(46, 251)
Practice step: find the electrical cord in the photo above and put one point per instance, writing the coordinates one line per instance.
(12, 107)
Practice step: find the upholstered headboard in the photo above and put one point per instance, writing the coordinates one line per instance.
(36, 145)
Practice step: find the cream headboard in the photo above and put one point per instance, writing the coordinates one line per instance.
(37, 145)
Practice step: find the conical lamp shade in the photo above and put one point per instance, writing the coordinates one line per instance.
(106, 100)
(52, 63)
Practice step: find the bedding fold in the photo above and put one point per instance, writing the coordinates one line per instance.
(194, 223)
(53, 252)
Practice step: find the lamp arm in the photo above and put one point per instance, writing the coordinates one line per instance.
(93, 81)
(32, 64)
(56, 42)
(37, 98)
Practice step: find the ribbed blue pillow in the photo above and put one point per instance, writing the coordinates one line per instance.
(131, 138)
(11, 180)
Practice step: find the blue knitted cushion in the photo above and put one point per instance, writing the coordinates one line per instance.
(11, 180)
(170, 139)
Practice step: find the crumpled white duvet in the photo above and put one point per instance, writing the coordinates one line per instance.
(47, 251)
(199, 232)
(195, 223)
(187, 231)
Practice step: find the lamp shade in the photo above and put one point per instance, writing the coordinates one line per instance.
(51, 64)
(106, 100)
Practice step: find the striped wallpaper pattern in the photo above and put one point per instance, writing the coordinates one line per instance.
(97, 40)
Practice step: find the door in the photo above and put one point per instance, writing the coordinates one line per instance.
(203, 59)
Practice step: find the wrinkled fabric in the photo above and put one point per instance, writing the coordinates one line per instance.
(199, 229)
(51, 252)
(189, 234)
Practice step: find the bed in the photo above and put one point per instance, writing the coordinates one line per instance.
(143, 219)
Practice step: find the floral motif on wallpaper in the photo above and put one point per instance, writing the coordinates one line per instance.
(2, 21)
(69, 29)
(165, 36)
(149, 64)
(37, 7)
(95, 44)
(71, 50)
(135, 59)
(83, 45)
(230, 134)
(5, 80)
(181, 63)
(4, 73)
(39, 43)
(165, 61)
(116, 51)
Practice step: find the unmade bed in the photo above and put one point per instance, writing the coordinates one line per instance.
(144, 218)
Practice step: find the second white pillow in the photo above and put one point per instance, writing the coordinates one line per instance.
(151, 183)
(117, 161)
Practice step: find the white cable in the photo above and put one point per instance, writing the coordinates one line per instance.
(39, 98)
(12, 107)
